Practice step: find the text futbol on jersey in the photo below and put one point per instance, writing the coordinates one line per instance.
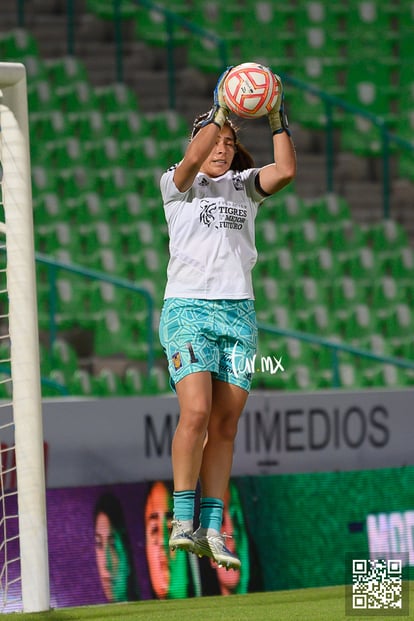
(212, 241)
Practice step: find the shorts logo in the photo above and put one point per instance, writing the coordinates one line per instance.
(176, 360)
(193, 357)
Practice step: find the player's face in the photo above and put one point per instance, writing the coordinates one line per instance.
(111, 559)
(221, 156)
(156, 527)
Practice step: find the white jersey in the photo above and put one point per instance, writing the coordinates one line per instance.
(212, 239)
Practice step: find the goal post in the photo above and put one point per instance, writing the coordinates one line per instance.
(17, 229)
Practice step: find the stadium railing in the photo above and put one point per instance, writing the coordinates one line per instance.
(335, 347)
(54, 267)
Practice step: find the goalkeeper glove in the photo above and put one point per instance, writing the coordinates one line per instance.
(277, 116)
(219, 112)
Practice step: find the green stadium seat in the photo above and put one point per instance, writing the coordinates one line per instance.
(330, 209)
(105, 8)
(359, 321)
(89, 125)
(62, 71)
(157, 382)
(269, 291)
(308, 109)
(373, 89)
(72, 181)
(35, 68)
(143, 152)
(117, 98)
(269, 235)
(386, 235)
(318, 320)
(128, 125)
(133, 381)
(152, 26)
(41, 97)
(224, 19)
(349, 376)
(206, 54)
(368, 17)
(316, 13)
(75, 96)
(62, 153)
(64, 357)
(82, 383)
(321, 73)
(406, 95)
(400, 264)
(48, 209)
(304, 237)
(361, 264)
(283, 263)
(317, 41)
(18, 43)
(44, 128)
(306, 292)
(301, 377)
(398, 323)
(321, 264)
(344, 293)
(108, 384)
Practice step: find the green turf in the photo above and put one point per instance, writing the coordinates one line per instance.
(323, 604)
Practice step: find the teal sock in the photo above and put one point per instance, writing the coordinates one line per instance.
(184, 505)
(211, 513)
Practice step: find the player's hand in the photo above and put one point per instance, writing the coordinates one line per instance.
(277, 116)
(219, 112)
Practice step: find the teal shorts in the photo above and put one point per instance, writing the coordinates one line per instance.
(219, 336)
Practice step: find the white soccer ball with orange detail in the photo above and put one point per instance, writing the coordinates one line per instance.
(250, 90)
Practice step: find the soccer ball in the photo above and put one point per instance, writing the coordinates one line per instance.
(250, 90)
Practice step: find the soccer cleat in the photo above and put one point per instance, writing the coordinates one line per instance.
(213, 545)
(180, 539)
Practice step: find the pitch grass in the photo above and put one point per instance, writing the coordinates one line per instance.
(323, 604)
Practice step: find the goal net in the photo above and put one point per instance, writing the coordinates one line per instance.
(24, 575)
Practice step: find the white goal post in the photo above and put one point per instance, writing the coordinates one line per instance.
(17, 230)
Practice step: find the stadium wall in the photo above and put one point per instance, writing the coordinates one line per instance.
(318, 478)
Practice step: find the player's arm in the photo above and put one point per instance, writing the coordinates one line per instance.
(282, 171)
(203, 139)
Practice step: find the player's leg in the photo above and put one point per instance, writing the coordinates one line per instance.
(194, 397)
(191, 359)
(235, 324)
(227, 405)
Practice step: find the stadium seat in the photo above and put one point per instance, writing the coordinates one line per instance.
(153, 27)
(359, 321)
(89, 125)
(41, 97)
(301, 377)
(82, 383)
(321, 264)
(18, 43)
(400, 264)
(63, 70)
(128, 125)
(362, 265)
(75, 96)
(108, 384)
(283, 263)
(64, 357)
(117, 98)
(386, 235)
(133, 380)
(398, 323)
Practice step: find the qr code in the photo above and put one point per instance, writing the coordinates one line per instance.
(377, 585)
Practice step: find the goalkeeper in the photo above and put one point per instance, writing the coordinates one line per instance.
(208, 323)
